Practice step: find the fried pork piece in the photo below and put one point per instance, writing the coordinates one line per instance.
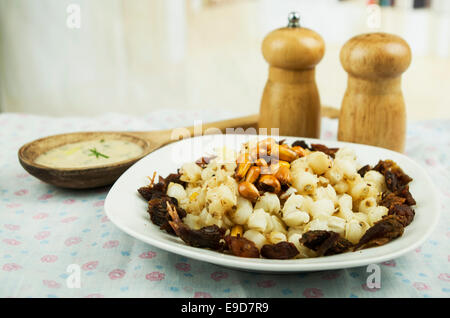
(152, 191)
(203, 161)
(390, 199)
(325, 242)
(208, 236)
(302, 144)
(242, 247)
(157, 208)
(394, 176)
(404, 193)
(329, 151)
(158, 190)
(363, 170)
(403, 212)
(281, 250)
(381, 232)
(399, 205)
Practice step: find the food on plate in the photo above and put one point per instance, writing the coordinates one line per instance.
(276, 201)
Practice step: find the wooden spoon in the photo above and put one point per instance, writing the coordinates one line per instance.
(91, 177)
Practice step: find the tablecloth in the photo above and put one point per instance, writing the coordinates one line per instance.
(48, 234)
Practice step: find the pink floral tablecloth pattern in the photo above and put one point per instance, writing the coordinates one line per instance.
(48, 234)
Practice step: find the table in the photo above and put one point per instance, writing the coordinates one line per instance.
(49, 236)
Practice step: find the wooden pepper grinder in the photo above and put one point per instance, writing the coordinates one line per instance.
(373, 109)
(290, 99)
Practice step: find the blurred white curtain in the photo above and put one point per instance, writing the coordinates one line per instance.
(47, 67)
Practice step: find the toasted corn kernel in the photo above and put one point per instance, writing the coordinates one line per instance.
(243, 157)
(266, 170)
(261, 162)
(267, 143)
(283, 153)
(243, 166)
(253, 174)
(285, 164)
(283, 174)
(277, 164)
(248, 190)
(299, 150)
(237, 230)
(270, 183)
(286, 154)
(256, 153)
(261, 148)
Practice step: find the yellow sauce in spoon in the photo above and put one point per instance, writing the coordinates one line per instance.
(89, 153)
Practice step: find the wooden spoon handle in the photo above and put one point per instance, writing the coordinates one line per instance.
(250, 121)
(163, 137)
(246, 122)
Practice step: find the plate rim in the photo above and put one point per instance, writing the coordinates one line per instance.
(276, 266)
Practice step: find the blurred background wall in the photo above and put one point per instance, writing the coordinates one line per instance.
(85, 57)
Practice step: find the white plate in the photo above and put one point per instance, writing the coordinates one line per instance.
(128, 211)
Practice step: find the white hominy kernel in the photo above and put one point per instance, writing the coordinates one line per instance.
(305, 182)
(296, 218)
(258, 220)
(296, 230)
(376, 214)
(269, 202)
(317, 224)
(288, 193)
(336, 224)
(323, 182)
(243, 211)
(345, 201)
(190, 172)
(341, 187)
(345, 153)
(335, 175)
(278, 225)
(319, 162)
(193, 221)
(348, 167)
(195, 201)
(220, 200)
(227, 223)
(294, 238)
(269, 221)
(277, 237)
(345, 213)
(322, 207)
(363, 217)
(375, 178)
(367, 204)
(256, 237)
(327, 192)
(304, 252)
(354, 230)
(207, 173)
(307, 204)
(176, 190)
(294, 202)
(299, 165)
(359, 190)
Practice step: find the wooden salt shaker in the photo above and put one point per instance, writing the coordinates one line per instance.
(373, 110)
(290, 99)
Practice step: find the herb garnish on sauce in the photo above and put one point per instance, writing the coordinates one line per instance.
(97, 154)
